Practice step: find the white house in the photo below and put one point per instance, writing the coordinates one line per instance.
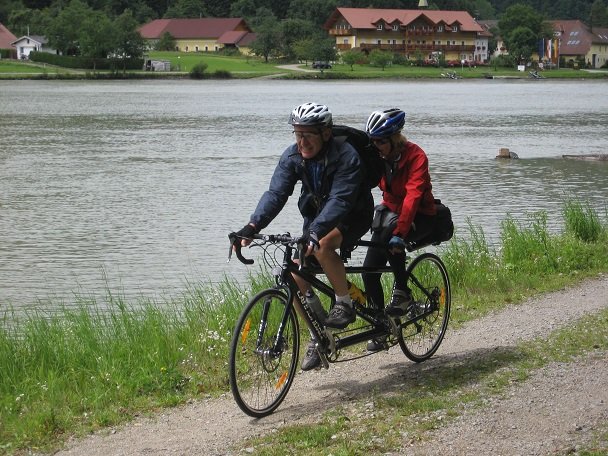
(27, 44)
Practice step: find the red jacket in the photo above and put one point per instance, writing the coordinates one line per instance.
(410, 188)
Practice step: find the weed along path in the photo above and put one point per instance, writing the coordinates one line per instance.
(557, 409)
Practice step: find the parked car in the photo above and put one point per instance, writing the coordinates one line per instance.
(321, 65)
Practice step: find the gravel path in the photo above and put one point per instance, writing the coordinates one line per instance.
(559, 407)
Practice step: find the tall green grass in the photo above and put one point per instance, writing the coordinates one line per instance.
(94, 364)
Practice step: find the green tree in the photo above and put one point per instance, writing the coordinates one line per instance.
(324, 50)
(186, 9)
(521, 27)
(483, 9)
(522, 43)
(351, 57)
(315, 11)
(599, 14)
(303, 50)
(380, 58)
(268, 39)
(293, 30)
(243, 8)
(128, 42)
(166, 42)
(97, 34)
(22, 21)
(65, 30)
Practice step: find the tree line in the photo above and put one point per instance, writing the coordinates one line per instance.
(290, 28)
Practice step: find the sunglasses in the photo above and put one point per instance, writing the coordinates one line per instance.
(307, 136)
(380, 141)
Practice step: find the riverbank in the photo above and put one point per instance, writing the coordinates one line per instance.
(90, 367)
(221, 67)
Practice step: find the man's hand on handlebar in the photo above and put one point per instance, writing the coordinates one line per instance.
(245, 235)
(309, 243)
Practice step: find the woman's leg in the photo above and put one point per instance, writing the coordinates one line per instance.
(375, 258)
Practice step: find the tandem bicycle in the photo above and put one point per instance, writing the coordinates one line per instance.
(265, 345)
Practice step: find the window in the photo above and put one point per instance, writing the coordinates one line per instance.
(455, 28)
(196, 48)
(379, 42)
(379, 27)
(206, 48)
(396, 28)
(462, 43)
(440, 28)
(394, 41)
(345, 41)
(186, 48)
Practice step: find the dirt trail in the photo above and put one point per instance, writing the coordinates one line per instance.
(560, 407)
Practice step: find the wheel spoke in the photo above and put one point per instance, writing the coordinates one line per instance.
(264, 353)
(424, 328)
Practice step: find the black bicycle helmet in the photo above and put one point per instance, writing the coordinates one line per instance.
(311, 114)
(382, 124)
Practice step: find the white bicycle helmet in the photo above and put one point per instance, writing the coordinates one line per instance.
(311, 114)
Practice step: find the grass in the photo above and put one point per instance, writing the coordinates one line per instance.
(14, 66)
(247, 67)
(94, 364)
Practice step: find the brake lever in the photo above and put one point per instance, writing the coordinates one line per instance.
(235, 246)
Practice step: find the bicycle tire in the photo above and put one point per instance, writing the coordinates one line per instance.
(261, 376)
(429, 284)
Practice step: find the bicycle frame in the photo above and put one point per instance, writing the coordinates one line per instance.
(285, 280)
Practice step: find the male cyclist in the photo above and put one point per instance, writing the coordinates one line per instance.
(336, 204)
(407, 212)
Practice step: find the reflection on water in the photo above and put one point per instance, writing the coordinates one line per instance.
(134, 185)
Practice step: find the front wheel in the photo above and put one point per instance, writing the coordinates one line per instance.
(264, 353)
(424, 327)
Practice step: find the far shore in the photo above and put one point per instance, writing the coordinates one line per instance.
(217, 68)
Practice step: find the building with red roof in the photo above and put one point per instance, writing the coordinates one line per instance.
(6, 38)
(454, 34)
(200, 35)
(577, 42)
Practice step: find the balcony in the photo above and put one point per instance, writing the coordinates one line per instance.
(413, 47)
(340, 32)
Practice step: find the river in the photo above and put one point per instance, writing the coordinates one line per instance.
(132, 186)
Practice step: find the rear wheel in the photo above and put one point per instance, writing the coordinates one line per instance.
(262, 362)
(424, 327)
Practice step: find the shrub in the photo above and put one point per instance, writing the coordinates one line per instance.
(222, 74)
(528, 246)
(503, 61)
(582, 221)
(198, 71)
(87, 62)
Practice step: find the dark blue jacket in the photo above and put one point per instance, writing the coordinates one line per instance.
(342, 195)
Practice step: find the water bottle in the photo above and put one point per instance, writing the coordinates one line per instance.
(356, 294)
(315, 304)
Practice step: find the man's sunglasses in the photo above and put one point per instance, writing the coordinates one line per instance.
(308, 135)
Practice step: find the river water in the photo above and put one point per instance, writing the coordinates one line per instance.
(132, 186)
